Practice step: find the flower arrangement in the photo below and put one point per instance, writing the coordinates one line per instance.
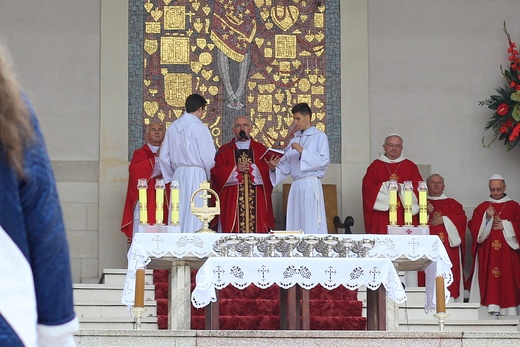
(505, 121)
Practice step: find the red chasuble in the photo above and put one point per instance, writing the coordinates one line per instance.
(233, 206)
(141, 166)
(376, 222)
(453, 210)
(499, 264)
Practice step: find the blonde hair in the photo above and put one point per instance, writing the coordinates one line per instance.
(15, 125)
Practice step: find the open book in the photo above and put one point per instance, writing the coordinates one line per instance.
(272, 152)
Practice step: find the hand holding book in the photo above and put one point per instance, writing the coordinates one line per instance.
(272, 152)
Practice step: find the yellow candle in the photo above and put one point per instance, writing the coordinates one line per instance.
(139, 288)
(440, 294)
(174, 197)
(408, 197)
(143, 213)
(393, 207)
(423, 211)
(159, 203)
(408, 207)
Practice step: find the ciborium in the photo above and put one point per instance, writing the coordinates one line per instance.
(205, 213)
(325, 245)
(343, 247)
(287, 245)
(306, 245)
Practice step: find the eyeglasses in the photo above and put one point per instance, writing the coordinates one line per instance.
(393, 145)
(242, 125)
(496, 189)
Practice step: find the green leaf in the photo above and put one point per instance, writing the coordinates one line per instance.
(516, 113)
(515, 96)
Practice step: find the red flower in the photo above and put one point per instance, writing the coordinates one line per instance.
(502, 109)
(515, 133)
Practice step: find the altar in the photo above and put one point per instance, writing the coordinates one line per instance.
(181, 252)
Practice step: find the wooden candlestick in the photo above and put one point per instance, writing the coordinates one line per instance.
(139, 288)
(440, 294)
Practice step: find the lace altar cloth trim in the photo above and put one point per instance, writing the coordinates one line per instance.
(217, 273)
(392, 247)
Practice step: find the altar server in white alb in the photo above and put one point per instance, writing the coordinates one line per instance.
(306, 159)
(187, 155)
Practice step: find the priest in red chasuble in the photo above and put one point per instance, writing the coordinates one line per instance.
(391, 165)
(144, 164)
(495, 227)
(242, 182)
(447, 219)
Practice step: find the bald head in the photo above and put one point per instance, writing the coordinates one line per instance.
(435, 185)
(155, 132)
(241, 123)
(393, 146)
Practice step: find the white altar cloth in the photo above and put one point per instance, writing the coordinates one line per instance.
(393, 247)
(217, 273)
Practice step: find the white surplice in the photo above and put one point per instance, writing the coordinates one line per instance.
(305, 205)
(187, 155)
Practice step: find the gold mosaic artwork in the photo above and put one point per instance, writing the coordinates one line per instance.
(253, 57)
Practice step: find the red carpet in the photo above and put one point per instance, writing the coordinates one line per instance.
(259, 309)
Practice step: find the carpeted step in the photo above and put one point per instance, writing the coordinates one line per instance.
(340, 293)
(249, 323)
(248, 307)
(160, 276)
(251, 292)
(254, 308)
(273, 323)
(338, 323)
(340, 308)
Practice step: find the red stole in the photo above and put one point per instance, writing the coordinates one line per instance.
(261, 217)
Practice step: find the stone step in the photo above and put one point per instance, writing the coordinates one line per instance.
(463, 311)
(110, 309)
(503, 324)
(117, 277)
(118, 323)
(86, 292)
(416, 295)
(98, 306)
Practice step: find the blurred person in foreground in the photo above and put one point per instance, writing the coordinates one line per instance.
(36, 306)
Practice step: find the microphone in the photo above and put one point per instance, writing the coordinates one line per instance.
(243, 135)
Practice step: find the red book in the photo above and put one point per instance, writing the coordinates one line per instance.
(272, 152)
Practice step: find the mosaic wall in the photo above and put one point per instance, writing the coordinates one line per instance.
(255, 58)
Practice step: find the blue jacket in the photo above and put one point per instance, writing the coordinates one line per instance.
(31, 215)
